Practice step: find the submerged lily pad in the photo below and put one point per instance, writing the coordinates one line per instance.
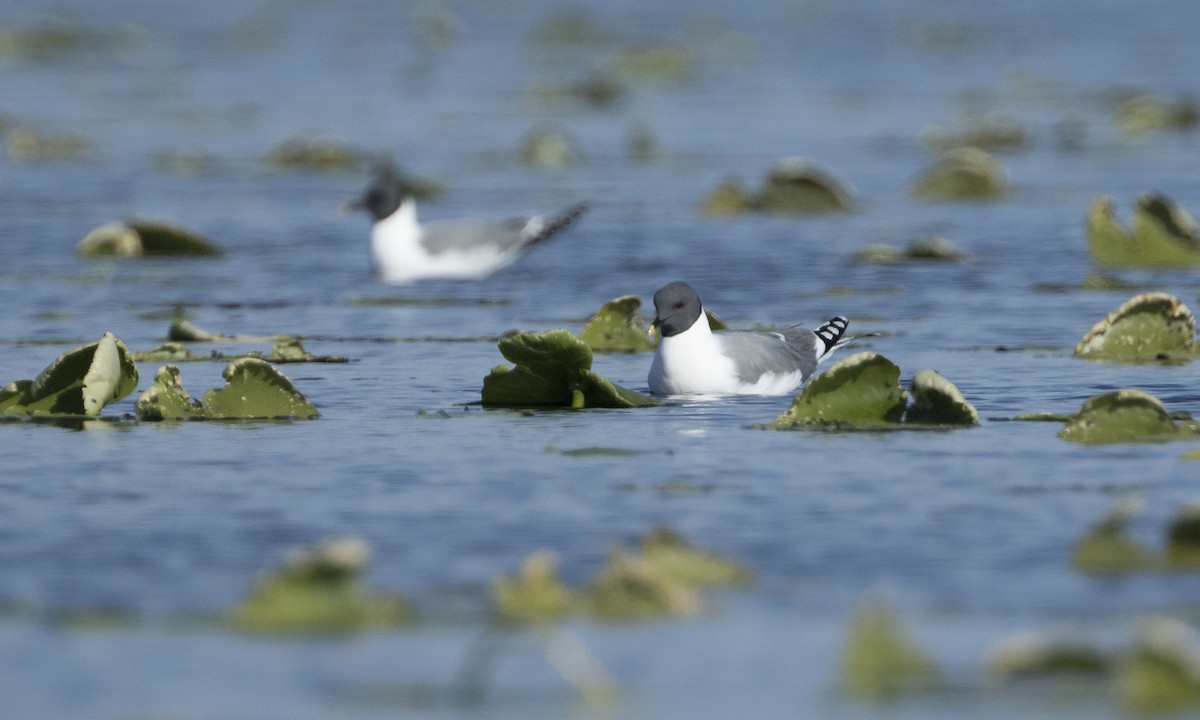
(1108, 548)
(1183, 539)
(1149, 326)
(1163, 234)
(1037, 655)
(138, 238)
(964, 173)
(617, 327)
(937, 401)
(553, 369)
(319, 590)
(1162, 674)
(881, 660)
(254, 390)
(1124, 416)
(861, 390)
(796, 185)
(79, 382)
(536, 594)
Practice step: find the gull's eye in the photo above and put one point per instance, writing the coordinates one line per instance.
(679, 305)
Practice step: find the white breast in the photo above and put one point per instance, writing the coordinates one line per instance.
(399, 256)
(691, 363)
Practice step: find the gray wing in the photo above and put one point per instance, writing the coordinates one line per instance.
(757, 353)
(504, 236)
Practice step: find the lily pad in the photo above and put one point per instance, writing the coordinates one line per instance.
(617, 327)
(79, 382)
(1183, 539)
(315, 154)
(1145, 113)
(881, 660)
(676, 559)
(319, 590)
(1149, 326)
(797, 185)
(553, 369)
(1162, 674)
(137, 238)
(550, 148)
(1163, 234)
(1108, 548)
(937, 401)
(1037, 655)
(727, 198)
(254, 390)
(964, 173)
(630, 587)
(536, 594)
(861, 390)
(1123, 416)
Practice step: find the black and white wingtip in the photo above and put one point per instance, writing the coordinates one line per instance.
(553, 226)
(831, 335)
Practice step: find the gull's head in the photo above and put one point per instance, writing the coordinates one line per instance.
(676, 308)
(383, 196)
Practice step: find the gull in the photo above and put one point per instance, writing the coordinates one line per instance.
(404, 249)
(692, 359)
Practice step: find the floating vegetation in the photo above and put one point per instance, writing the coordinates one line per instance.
(597, 90)
(319, 590)
(29, 145)
(796, 185)
(138, 238)
(1030, 655)
(964, 173)
(56, 40)
(535, 594)
(629, 588)
(1107, 547)
(1148, 327)
(1163, 234)
(553, 369)
(926, 248)
(254, 390)
(861, 390)
(1183, 539)
(991, 134)
(291, 350)
(317, 154)
(1125, 416)
(79, 382)
(1145, 113)
(936, 401)
(1162, 673)
(617, 327)
(182, 331)
(881, 660)
(660, 63)
(550, 148)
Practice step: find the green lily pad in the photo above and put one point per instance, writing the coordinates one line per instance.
(137, 238)
(1123, 416)
(536, 594)
(1148, 326)
(617, 327)
(964, 173)
(1163, 234)
(935, 248)
(1036, 655)
(319, 590)
(1183, 539)
(1146, 113)
(798, 185)
(550, 148)
(255, 389)
(171, 352)
(676, 559)
(937, 401)
(79, 382)
(167, 400)
(631, 587)
(1108, 548)
(553, 369)
(1160, 675)
(323, 154)
(881, 660)
(727, 198)
(861, 390)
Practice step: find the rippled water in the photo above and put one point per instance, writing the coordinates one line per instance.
(967, 534)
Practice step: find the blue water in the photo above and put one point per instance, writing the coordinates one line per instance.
(967, 534)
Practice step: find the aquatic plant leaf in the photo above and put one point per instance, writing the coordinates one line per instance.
(1108, 548)
(674, 558)
(938, 401)
(550, 148)
(935, 248)
(1162, 673)
(1145, 327)
(137, 238)
(290, 350)
(879, 254)
(1110, 242)
(1146, 113)
(319, 590)
(861, 390)
(728, 198)
(1044, 655)
(798, 185)
(1183, 539)
(1163, 234)
(166, 399)
(553, 369)
(617, 327)
(255, 389)
(182, 330)
(881, 660)
(630, 587)
(964, 173)
(15, 396)
(314, 154)
(535, 594)
(82, 381)
(1121, 416)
